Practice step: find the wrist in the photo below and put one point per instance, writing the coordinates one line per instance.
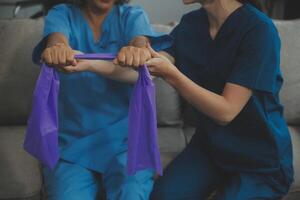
(139, 41)
(56, 44)
(172, 76)
(91, 65)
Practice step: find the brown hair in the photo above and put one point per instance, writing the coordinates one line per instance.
(256, 3)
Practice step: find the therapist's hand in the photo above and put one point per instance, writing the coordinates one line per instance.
(160, 65)
(131, 56)
(58, 55)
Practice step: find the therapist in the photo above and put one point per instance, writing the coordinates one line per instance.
(227, 57)
(93, 109)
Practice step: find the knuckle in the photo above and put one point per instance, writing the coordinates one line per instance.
(120, 54)
(131, 48)
(46, 51)
(144, 54)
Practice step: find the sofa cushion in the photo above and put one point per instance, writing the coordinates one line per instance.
(294, 193)
(290, 64)
(171, 139)
(20, 173)
(171, 143)
(189, 132)
(17, 72)
(295, 133)
(292, 196)
(167, 104)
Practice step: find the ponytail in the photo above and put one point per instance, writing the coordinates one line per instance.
(256, 3)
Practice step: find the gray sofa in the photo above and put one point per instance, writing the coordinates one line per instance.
(20, 176)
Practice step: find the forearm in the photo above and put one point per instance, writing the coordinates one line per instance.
(114, 72)
(213, 105)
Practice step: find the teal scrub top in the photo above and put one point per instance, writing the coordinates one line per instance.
(246, 52)
(93, 110)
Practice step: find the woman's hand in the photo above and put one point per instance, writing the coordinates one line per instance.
(81, 66)
(106, 69)
(58, 55)
(131, 56)
(159, 65)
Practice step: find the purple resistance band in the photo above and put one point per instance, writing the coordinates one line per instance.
(41, 139)
(95, 56)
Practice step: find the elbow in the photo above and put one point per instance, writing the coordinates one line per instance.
(223, 123)
(225, 119)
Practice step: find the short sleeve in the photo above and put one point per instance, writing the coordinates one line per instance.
(137, 24)
(56, 21)
(257, 63)
(172, 49)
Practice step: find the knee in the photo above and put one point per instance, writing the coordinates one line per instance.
(70, 195)
(130, 190)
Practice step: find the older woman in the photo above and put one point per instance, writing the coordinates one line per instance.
(227, 57)
(93, 109)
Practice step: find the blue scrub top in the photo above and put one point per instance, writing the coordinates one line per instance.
(246, 52)
(93, 110)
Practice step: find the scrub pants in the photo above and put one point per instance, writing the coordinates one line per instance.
(194, 176)
(70, 181)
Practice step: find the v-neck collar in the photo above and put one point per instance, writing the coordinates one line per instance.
(224, 25)
(104, 37)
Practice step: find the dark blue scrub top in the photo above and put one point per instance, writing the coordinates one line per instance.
(93, 110)
(245, 52)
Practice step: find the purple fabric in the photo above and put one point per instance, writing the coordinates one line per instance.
(41, 139)
(143, 150)
(96, 56)
(42, 128)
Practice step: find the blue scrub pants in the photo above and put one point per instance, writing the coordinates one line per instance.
(194, 176)
(69, 181)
